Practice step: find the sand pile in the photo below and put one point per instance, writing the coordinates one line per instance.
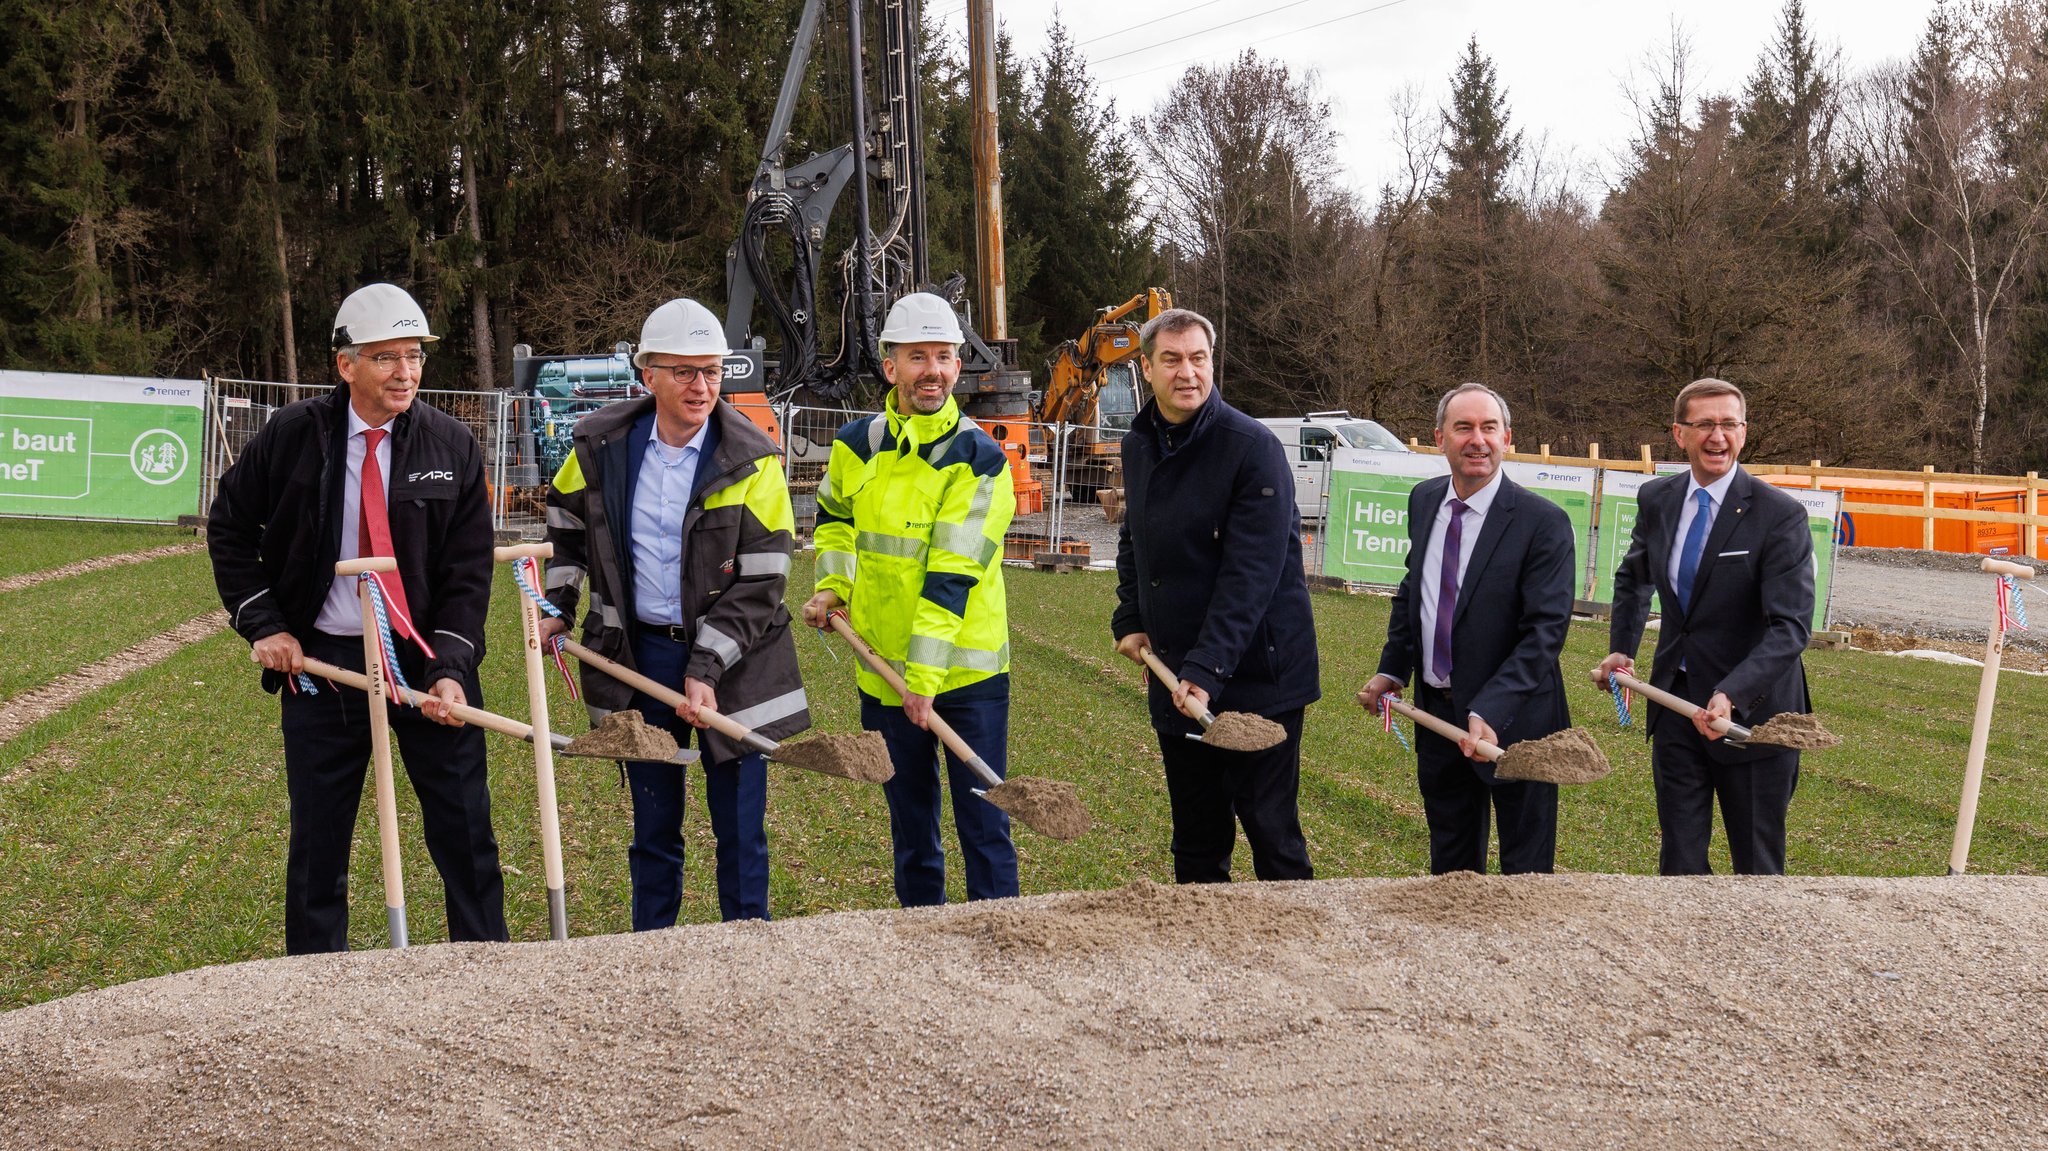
(862, 756)
(1536, 1012)
(1568, 756)
(1050, 807)
(624, 735)
(1795, 729)
(1243, 731)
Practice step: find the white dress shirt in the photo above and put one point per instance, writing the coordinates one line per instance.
(1717, 492)
(342, 613)
(661, 497)
(1433, 566)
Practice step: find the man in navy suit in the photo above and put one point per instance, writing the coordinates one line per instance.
(1475, 634)
(1731, 561)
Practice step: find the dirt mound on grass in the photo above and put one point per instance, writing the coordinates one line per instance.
(1542, 1012)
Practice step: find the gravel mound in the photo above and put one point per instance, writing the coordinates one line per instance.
(1534, 1011)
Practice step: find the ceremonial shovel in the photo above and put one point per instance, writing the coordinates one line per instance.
(1060, 817)
(1736, 734)
(543, 750)
(1548, 760)
(380, 744)
(1242, 731)
(1980, 725)
(872, 767)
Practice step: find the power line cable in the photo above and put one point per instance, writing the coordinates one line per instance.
(1152, 23)
(1263, 12)
(1260, 40)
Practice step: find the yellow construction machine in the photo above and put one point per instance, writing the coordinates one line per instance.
(1094, 388)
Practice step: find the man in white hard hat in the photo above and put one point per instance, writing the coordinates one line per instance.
(363, 471)
(672, 530)
(911, 518)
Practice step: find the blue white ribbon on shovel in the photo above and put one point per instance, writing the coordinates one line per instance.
(526, 573)
(1387, 722)
(387, 647)
(1622, 697)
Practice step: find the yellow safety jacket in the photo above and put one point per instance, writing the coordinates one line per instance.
(911, 518)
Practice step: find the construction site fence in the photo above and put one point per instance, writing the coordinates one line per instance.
(1964, 512)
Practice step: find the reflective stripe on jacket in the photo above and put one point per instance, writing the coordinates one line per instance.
(737, 532)
(911, 518)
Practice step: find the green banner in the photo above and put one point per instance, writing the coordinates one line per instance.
(1367, 537)
(1367, 540)
(1572, 490)
(99, 447)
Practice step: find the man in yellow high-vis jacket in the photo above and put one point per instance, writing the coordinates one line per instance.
(911, 518)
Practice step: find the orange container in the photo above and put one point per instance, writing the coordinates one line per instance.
(1874, 530)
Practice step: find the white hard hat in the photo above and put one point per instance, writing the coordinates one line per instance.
(922, 318)
(376, 312)
(680, 328)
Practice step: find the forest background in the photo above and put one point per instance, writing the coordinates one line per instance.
(189, 187)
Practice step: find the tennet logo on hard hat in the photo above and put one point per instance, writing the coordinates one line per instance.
(934, 330)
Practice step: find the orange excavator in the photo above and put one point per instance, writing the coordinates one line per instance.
(1094, 386)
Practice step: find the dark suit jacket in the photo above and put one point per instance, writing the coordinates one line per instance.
(1208, 563)
(1513, 610)
(1752, 608)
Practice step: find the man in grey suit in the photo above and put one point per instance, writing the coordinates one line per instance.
(1475, 634)
(1731, 560)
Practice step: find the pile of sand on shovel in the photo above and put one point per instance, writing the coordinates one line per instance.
(1795, 729)
(862, 756)
(1569, 756)
(624, 735)
(1050, 807)
(1243, 731)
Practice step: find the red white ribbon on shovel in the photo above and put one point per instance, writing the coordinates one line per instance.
(1387, 723)
(2012, 609)
(526, 573)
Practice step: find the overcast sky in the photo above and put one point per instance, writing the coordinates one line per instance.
(1564, 65)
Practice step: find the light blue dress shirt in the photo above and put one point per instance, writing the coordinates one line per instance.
(661, 497)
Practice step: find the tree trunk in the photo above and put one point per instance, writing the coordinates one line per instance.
(289, 334)
(479, 299)
(85, 235)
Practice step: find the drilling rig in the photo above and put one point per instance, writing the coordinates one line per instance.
(882, 165)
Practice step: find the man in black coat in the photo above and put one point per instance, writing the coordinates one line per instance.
(1209, 577)
(1731, 560)
(322, 472)
(1476, 629)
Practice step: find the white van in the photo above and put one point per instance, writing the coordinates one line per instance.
(1308, 440)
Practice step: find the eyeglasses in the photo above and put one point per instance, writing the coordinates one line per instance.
(1709, 427)
(686, 375)
(389, 361)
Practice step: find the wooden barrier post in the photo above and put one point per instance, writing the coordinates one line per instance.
(1649, 464)
(1980, 726)
(2030, 545)
(1927, 504)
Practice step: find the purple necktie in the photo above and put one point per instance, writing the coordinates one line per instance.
(1447, 592)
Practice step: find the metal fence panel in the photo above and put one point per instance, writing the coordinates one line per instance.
(240, 408)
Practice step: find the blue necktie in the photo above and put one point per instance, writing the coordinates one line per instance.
(1695, 543)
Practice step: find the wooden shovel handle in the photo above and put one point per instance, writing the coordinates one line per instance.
(670, 696)
(1450, 731)
(2005, 568)
(489, 721)
(366, 564)
(540, 551)
(1206, 718)
(1684, 707)
(939, 727)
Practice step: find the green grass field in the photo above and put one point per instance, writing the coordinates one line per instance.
(142, 831)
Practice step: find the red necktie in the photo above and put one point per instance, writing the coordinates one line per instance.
(373, 534)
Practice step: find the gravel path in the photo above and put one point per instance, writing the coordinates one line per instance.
(1536, 1012)
(80, 567)
(24, 710)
